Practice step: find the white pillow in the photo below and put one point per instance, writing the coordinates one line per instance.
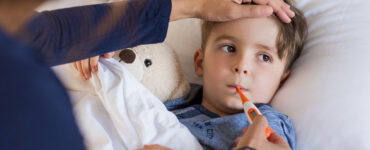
(184, 36)
(327, 94)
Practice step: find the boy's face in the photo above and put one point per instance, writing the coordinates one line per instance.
(243, 54)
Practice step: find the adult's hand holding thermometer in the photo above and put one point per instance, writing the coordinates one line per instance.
(251, 111)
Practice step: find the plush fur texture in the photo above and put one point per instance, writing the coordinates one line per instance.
(157, 67)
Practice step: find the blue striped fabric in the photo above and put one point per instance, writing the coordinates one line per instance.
(215, 132)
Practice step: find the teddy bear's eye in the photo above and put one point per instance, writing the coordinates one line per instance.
(147, 62)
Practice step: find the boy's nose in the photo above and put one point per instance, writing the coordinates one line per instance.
(240, 70)
(241, 64)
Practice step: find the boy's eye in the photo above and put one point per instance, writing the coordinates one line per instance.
(264, 58)
(228, 48)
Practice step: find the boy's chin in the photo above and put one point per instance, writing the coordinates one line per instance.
(235, 106)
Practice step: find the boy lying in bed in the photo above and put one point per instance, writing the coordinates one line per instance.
(253, 54)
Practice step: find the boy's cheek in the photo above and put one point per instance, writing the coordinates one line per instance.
(264, 90)
(215, 74)
(261, 96)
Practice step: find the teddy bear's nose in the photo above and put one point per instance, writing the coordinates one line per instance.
(127, 55)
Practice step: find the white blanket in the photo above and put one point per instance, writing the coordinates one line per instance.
(114, 111)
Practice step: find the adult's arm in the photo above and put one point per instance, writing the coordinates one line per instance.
(71, 34)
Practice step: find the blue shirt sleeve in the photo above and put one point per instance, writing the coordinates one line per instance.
(280, 123)
(71, 34)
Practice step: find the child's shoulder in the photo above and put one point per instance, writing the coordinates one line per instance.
(194, 97)
(268, 110)
(280, 123)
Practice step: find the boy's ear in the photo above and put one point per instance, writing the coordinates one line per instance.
(284, 77)
(198, 62)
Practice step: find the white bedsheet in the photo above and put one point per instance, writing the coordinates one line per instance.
(114, 111)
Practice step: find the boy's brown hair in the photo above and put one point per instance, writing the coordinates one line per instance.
(289, 40)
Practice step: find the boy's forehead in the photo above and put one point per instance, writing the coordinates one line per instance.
(256, 30)
(257, 23)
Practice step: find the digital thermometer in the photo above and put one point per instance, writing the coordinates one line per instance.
(251, 111)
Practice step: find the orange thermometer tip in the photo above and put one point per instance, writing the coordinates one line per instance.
(244, 99)
(268, 132)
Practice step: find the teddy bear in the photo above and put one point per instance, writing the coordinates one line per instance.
(157, 67)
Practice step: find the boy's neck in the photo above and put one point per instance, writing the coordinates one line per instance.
(213, 109)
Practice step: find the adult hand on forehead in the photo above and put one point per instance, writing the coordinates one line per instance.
(225, 10)
(280, 8)
(217, 10)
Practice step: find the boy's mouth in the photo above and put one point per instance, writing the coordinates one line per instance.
(237, 86)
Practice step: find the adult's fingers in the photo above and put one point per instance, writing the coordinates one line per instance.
(283, 16)
(84, 68)
(75, 66)
(255, 135)
(154, 147)
(79, 69)
(226, 10)
(238, 138)
(289, 12)
(281, 8)
(261, 2)
(258, 127)
(93, 62)
(277, 139)
(108, 55)
(245, 130)
(241, 1)
(253, 11)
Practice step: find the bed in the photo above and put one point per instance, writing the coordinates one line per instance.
(327, 93)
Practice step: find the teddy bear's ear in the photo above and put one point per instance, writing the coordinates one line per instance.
(127, 55)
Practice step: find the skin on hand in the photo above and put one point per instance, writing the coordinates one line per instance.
(225, 10)
(87, 66)
(279, 7)
(254, 136)
(154, 147)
